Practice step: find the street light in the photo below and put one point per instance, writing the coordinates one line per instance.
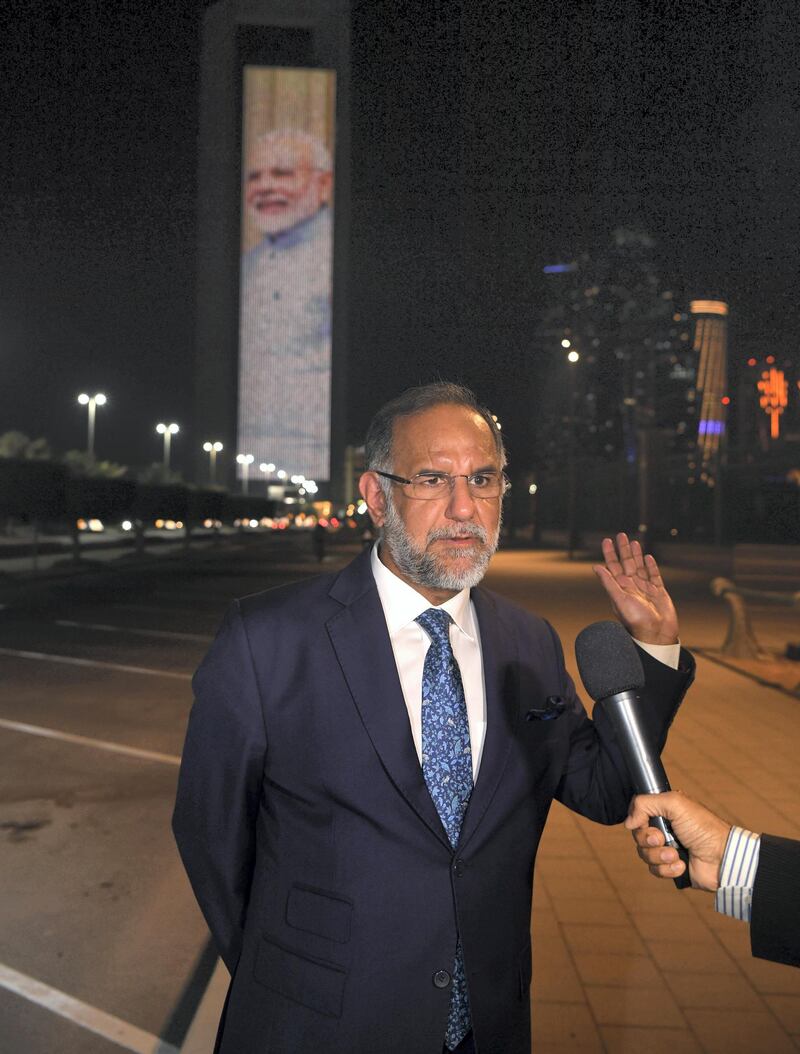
(212, 449)
(91, 402)
(245, 460)
(572, 463)
(267, 468)
(167, 431)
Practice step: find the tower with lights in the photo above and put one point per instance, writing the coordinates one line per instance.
(711, 348)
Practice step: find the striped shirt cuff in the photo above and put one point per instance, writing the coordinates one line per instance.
(737, 874)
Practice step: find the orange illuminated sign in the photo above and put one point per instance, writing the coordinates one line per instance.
(774, 397)
(708, 307)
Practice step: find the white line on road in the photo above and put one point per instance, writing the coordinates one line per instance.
(167, 634)
(120, 1032)
(86, 741)
(71, 660)
(200, 1037)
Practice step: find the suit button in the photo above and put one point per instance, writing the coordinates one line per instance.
(441, 978)
(458, 868)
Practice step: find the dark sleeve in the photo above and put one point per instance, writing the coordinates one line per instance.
(219, 786)
(775, 920)
(664, 689)
(595, 780)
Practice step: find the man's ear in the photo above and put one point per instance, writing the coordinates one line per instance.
(371, 491)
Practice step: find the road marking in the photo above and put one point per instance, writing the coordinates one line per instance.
(71, 660)
(168, 634)
(200, 1037)
(120, 1032)
(86, 741)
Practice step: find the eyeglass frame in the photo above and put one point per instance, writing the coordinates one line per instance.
(451, 480)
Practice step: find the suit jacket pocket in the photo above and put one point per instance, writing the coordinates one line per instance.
(311, 982)
(319, 912)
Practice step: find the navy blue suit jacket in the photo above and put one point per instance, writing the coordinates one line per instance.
(315, 850)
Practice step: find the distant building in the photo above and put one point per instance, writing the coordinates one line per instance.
(710, 346)
(634, 366)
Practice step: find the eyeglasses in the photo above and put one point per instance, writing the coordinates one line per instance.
(428, 485)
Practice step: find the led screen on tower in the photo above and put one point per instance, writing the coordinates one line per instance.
(285, 287)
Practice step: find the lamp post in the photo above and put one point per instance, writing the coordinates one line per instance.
(267, 468)
(245, 460)
(212, 449)
(572, 478)
(167, 431)
(91, 402)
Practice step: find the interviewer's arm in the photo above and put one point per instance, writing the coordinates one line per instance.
(703, 833)
(755, 877)
(722, 858)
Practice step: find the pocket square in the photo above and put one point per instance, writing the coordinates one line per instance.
(554, 706)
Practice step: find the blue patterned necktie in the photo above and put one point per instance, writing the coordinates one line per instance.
(447, 768)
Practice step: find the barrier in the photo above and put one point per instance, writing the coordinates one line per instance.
(740, 641)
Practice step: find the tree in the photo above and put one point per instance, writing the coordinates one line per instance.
(159, 473)
(82, 464)
(18, 445)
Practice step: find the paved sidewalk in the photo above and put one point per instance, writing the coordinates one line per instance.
(627, 963)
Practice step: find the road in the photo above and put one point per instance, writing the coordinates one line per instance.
(102, 948)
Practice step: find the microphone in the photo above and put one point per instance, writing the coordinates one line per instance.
(612, 673)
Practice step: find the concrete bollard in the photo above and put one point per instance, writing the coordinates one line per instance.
(740, 641)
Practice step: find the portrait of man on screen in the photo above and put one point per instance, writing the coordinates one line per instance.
(285, 301)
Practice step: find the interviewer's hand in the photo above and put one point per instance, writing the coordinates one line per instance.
(703, 833)
(636, 591)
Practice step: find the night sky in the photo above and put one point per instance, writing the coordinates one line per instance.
(488, 140)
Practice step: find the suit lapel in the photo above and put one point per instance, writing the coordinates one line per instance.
(361, 641)
(500, 675)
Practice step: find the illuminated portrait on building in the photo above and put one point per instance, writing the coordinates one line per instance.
(286, 269)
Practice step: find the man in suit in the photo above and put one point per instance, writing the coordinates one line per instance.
(372, 755)
(755, 877)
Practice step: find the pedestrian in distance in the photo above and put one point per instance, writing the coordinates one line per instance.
(318, 538)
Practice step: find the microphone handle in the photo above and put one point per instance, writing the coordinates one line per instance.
(661, 823)
(645, 768)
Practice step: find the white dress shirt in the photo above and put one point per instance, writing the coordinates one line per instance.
(401, 605)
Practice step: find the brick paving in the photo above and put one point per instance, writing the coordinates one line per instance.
(624, 962)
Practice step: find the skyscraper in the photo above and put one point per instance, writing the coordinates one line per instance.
(711, 347)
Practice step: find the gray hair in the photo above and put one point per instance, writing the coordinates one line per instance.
(378, 444)
(320, 155)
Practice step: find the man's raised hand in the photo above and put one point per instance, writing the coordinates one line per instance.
(636, 591)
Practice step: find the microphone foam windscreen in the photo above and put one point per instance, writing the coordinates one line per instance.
(608, 660)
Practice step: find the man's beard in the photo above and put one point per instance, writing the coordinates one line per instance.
(426, 568)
